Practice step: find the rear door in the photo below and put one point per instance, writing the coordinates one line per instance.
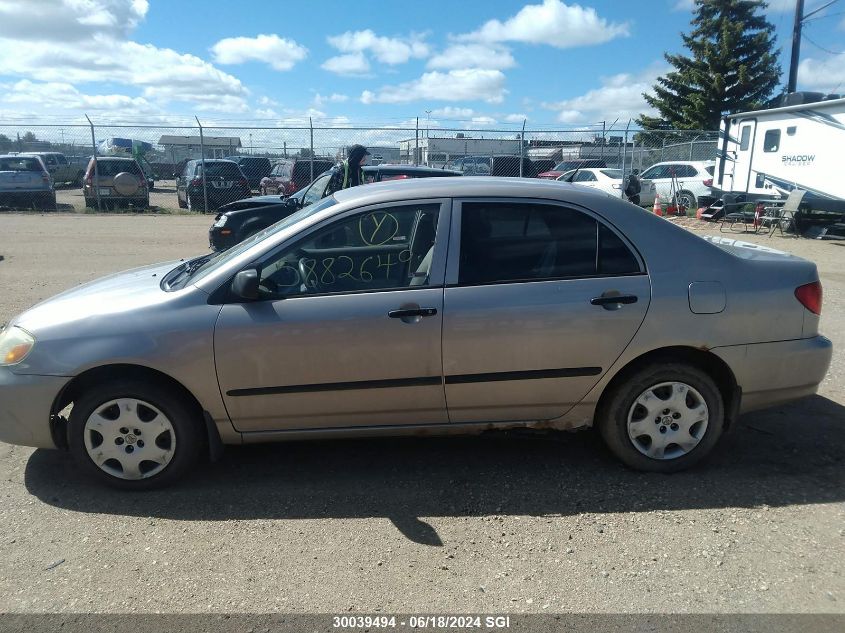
(541, 299)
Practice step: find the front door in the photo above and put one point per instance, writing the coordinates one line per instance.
(348, 332)
(541, 299)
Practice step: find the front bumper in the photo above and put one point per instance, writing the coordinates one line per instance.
(775, 373)
(25, 403)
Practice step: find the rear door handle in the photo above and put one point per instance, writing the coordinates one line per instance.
(608, 301)
(413, 312)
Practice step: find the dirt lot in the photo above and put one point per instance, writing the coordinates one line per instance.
(162, 198)
(516, 524)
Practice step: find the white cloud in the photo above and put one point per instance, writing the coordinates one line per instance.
(618, 97)
(60, 96)
(515, 118)
(387, 50)
(825, 75)
(89, 44)
(279, 53)
(483, 120)
(267, 101)
(473, 56)
(553, 23)
(70, 20)
(450, 112)
(352, 64)
(684, 5)
(319, 99)
(468, 84)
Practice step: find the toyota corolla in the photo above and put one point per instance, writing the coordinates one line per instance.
(444, 305)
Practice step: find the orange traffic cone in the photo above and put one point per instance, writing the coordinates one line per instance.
(658, 208)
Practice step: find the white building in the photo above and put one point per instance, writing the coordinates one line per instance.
(438, 151)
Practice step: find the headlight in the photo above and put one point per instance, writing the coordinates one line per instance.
(221, 221)
(15, 344)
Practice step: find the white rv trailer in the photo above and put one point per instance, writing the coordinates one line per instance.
(766, 154)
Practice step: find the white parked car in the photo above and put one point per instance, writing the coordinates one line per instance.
(610, 181)
(694, 179)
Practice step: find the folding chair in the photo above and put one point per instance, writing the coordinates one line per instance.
(732, 218)
(778, 215)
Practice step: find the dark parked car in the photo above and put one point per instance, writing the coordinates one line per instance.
(289, 176)
(254, 168)
(224, 180)
(118, 182)
(569, 165)
(239, 220)
(25, 183)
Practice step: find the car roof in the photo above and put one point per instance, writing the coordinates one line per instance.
(683, 162)
(478, 186)
(409, 169)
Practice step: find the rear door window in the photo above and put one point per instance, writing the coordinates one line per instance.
(512, 241)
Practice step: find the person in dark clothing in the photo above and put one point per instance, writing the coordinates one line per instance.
(349, 173)
(633, 187)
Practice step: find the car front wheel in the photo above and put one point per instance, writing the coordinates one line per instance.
(663, 418)
(134, 435)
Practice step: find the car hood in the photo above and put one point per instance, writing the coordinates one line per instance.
(550, 174)
(110, 295)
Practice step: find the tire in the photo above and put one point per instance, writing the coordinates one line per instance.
(687, 199)
(182, 205)
(174, 437)
(680, 423)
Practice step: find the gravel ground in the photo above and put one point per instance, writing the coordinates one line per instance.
(162, 198)
(498, 524)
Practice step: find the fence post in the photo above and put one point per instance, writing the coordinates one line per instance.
(521, 148)
(96, 169)
(603, 137)
(417, 142)
(202, 160)
(311, 147)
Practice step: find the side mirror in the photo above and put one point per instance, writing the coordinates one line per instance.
(292, 203)
(245, 284)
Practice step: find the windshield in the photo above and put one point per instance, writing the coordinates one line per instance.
(612, 173)
(218, 259)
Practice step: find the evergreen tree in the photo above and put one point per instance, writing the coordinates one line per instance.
(733, 68)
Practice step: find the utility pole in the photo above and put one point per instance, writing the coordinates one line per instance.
(800, 18)
(796, 46)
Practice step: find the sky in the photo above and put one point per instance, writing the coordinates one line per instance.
(490, 63)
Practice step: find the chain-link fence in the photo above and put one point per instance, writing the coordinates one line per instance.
(281, 160)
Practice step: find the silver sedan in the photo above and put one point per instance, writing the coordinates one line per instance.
(455, 305)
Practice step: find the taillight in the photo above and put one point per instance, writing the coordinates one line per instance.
(810, 296)
(244, 183)
(196, 182)
(708, 182)
(89, 179)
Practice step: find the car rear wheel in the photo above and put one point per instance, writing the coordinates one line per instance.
(687, 199)
(663, 418)
(134, 435)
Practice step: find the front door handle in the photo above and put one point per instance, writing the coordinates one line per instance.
(412, 312)
(613, 302)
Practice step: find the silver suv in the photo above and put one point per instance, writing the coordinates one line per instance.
(120, 182)
(25, 183)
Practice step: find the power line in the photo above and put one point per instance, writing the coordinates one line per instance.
(822, 48)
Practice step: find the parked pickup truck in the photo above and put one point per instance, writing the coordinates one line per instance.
(62, 170)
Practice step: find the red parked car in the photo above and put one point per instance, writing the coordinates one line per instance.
(569, 165)
(289, 176)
